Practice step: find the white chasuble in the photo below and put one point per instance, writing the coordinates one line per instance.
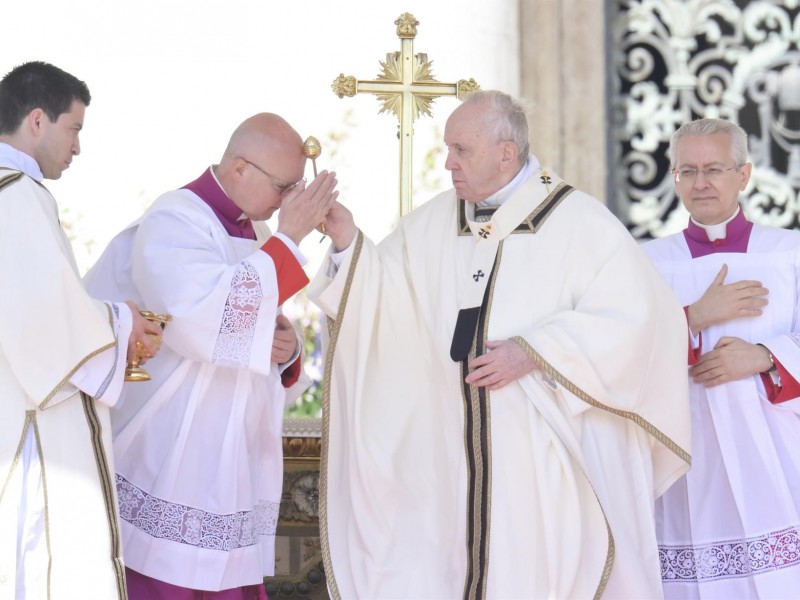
(544, 488)
(199, 447)
(731, 527)
(56, 470)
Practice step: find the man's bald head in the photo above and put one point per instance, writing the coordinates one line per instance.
(267, 144)
(263, 133)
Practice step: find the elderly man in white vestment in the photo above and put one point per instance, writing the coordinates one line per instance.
(731, 527)
(199, 447)
(505, 387)
(62, 361)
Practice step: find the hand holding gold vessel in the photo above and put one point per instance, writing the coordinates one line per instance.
(141, 352)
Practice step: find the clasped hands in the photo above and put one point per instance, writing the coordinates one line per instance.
(316, 207)
(732, 358)
(306, 208)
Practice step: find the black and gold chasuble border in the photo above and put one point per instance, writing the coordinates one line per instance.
(478, 448)
(334, 328)
(107, 485)
(15, 176)
(533, 222)
(9, 179)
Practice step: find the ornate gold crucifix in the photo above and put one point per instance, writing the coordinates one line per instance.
(407, 88)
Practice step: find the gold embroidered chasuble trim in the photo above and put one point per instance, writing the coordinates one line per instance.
(579, 393)
(532, 222)
(635, 418)
(30, 421)
(43, 404)
(32, 416)
(334, 327)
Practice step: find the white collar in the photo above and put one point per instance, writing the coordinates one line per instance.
(16, 159)
(718, 231)
(525, 173)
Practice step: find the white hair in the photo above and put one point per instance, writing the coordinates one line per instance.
(736, 134)
(508, 116)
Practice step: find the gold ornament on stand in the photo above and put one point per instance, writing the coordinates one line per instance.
(312, 149)
(133, 371)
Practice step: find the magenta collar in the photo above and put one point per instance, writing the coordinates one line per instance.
(207, 188)
(737, 236)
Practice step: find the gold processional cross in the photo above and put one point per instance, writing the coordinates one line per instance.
(407, 88)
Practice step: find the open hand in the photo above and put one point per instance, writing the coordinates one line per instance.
(725, 302)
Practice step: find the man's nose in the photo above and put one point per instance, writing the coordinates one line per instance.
(701, 180)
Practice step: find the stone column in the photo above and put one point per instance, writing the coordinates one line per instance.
(563, 73)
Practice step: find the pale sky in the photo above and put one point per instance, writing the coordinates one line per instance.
(171, 79)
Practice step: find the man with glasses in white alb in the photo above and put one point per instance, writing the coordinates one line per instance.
(198, 448)
(730, 528)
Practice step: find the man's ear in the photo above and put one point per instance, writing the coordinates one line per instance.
(34, 121)
(509, 157)
(746, 171)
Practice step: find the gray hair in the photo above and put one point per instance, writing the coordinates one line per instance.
(508, 116)
(736, 134)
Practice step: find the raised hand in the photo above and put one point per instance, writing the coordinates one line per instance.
(306, 207)
(723, 302)
(340, 226)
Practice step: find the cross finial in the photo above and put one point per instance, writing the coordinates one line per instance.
(406, 87)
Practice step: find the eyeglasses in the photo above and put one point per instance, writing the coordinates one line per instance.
(713, 174)
(281, 188)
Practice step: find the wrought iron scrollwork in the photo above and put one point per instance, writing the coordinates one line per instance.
(678, 60)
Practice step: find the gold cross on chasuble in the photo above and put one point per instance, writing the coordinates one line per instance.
(407, 88)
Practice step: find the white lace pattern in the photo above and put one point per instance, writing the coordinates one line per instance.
(192, 526)
(239, 319)
(731, 558)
